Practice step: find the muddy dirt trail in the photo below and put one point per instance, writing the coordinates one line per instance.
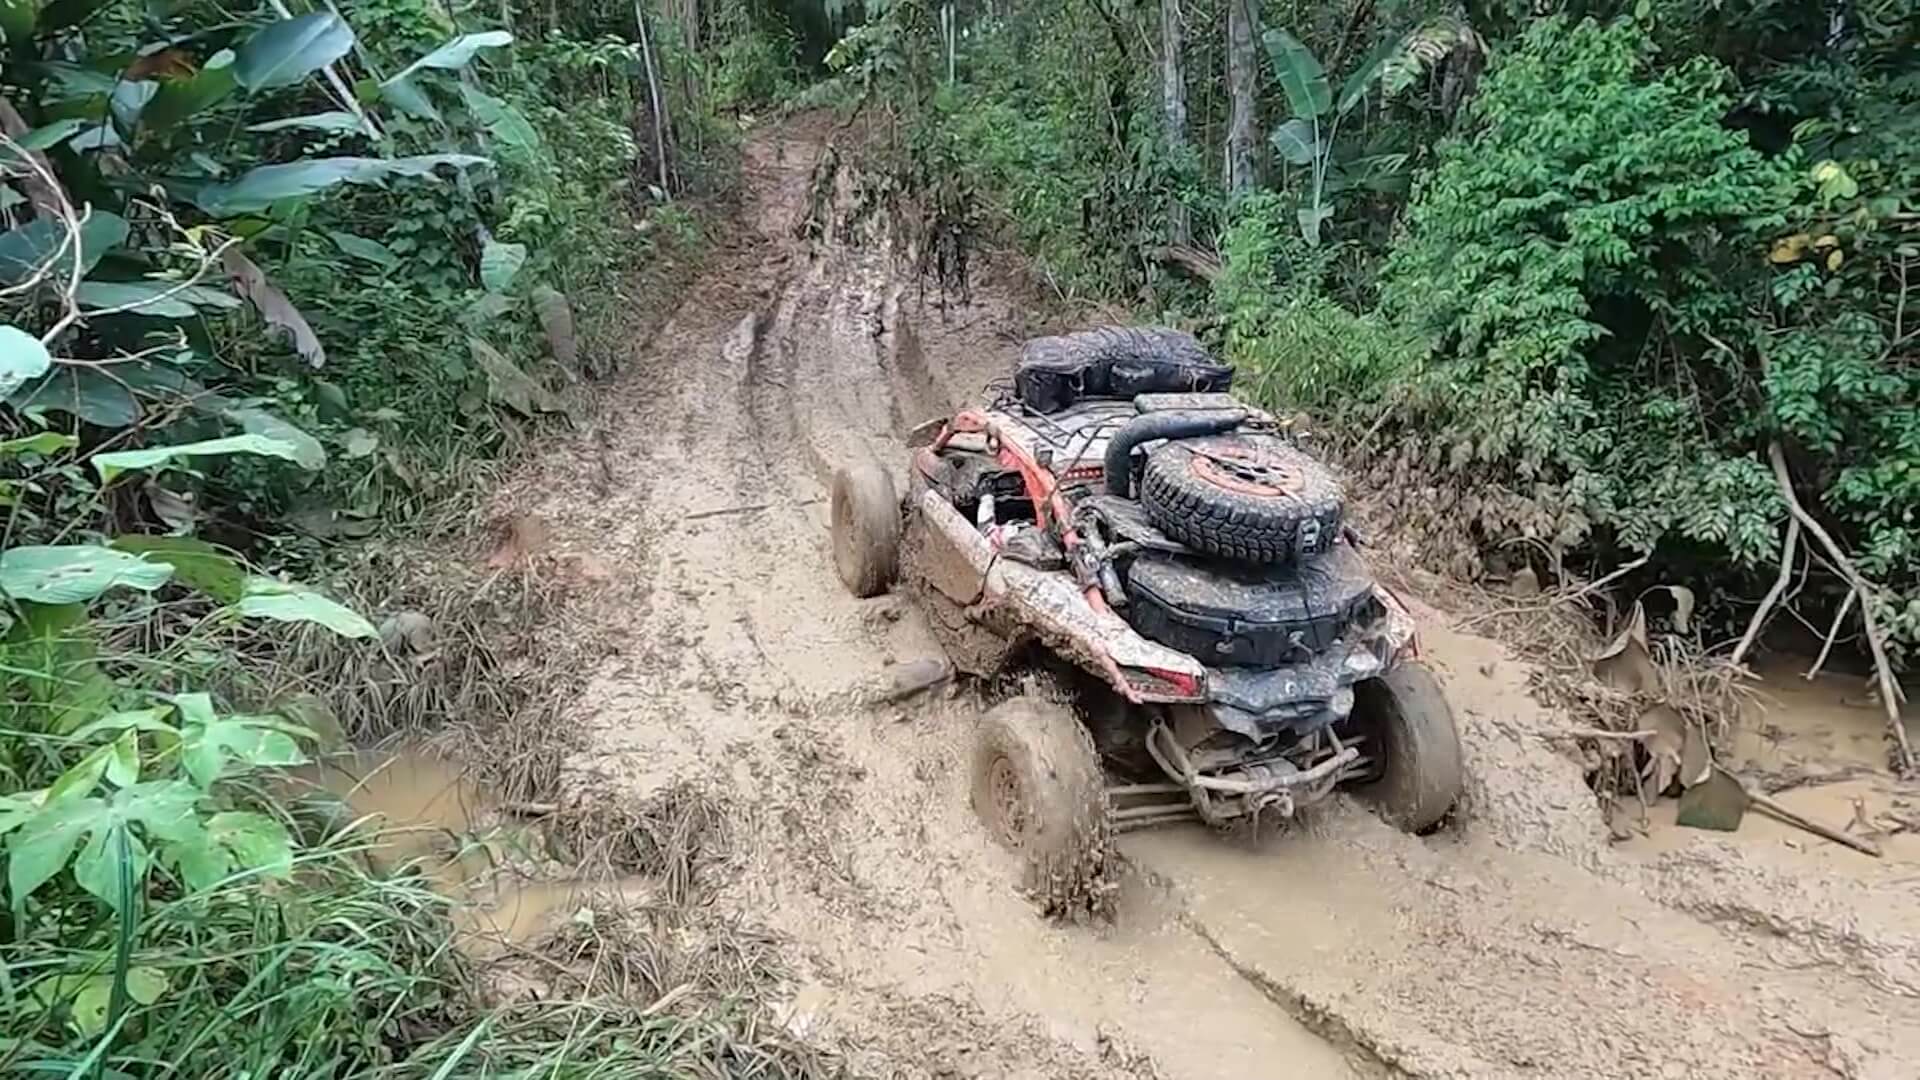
(1517, 942)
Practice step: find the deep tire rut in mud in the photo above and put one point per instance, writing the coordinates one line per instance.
(1513, 943)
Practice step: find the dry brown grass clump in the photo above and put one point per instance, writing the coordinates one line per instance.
(674, 838)
(1643, 699)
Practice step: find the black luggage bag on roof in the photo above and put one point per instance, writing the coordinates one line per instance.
(1114, 361)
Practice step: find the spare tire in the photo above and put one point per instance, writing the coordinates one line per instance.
(1255, 498)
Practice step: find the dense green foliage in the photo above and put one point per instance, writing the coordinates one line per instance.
(1630, 299)
(1297, 343)
(1594, 226)
(1586, 270)
(273, 278)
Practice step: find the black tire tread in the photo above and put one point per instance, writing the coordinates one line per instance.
(1422, 770)
(1230, 524)
(1066, 857)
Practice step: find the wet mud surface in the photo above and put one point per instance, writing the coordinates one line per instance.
(1518, 941)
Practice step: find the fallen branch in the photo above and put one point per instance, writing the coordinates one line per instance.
(1601, 733)
(1563, 597)
(1788, 549)
(1767, 803)
(1833, 632)
(1204, 265)
(1797, 776)
(748, 508)
(724, 511)
(1890, 695)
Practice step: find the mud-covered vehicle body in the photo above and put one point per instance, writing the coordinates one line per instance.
(1115, 507)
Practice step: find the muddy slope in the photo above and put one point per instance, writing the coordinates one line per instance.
(1514, 944)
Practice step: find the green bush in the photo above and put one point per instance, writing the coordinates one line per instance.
(1571, 262)
(1626, 303)
(238, 309)
(1295, 346)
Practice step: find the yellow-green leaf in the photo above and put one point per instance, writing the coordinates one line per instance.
(1790, 249)
(287, 602)
(123, 764)
(113, 464)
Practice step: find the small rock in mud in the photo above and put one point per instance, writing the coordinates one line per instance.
(408, 632)
(591, 569)
(882, 612)
(905, 680)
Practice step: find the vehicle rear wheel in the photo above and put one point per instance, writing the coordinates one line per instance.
(866, 529)
(1039, 789)
(1408, 729)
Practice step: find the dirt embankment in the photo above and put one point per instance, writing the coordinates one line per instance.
(1517, 942)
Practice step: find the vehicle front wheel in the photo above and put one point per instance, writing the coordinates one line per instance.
(1407, 727)
(1039, 789)
(866, 529)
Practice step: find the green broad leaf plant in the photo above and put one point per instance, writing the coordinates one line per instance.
(137, 792)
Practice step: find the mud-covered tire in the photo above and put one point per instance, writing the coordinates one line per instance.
(1408, 729)
(1107, 344)
(865, 515)
(1037, 785)
(1254, 498)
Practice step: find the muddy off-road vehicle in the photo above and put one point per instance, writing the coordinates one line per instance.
(1228, 654)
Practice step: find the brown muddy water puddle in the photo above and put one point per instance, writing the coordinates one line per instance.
(1820, 747)
(424, 814)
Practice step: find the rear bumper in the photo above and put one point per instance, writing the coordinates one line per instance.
(1256, 702)
(1296, 699)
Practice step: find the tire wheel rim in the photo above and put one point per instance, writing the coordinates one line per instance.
(1249, 471)
(1009, 809)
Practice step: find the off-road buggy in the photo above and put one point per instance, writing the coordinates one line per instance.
(1229, 653)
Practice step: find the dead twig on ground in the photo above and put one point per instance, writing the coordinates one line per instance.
(1797, 776)
(1202, 265)
(1767, 803)
(1561, 597)
(748, 508)
(1890, 695)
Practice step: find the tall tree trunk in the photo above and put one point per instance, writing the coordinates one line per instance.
(654, 96)
(1241, 86)
(1173, 101)
(689, 18)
